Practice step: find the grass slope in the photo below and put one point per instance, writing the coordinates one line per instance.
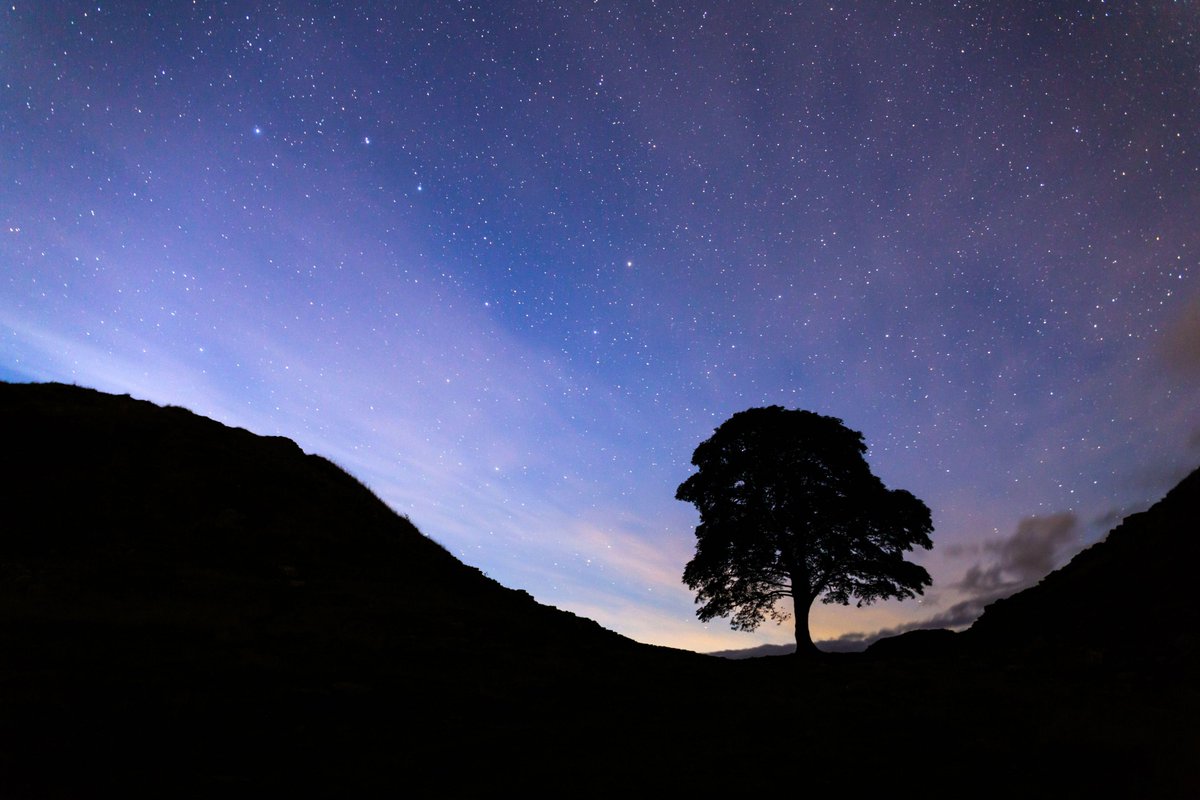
(188, 609)
(1130, 599)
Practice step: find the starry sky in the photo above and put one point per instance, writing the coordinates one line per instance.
(509, 263)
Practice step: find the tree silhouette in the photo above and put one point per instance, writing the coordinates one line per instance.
(790, 509)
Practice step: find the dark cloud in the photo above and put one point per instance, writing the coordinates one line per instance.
(958, 615)
(1034, 550)
(1160, 476)
(980, 579)
(960, 550)
(1181, 345)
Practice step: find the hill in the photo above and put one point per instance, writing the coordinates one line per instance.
(1129, 599)
(181, 598)
(188, 609)
(131, 500)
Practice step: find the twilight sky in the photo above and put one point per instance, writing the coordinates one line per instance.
(509, 263)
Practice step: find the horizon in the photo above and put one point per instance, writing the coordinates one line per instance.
(509, 267)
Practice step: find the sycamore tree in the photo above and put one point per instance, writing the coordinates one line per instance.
(789, 510)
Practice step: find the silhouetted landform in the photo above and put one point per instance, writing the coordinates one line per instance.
(1130, 598)
(190, 610)
(922, 643)
(760, 651)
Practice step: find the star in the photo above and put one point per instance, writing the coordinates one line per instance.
(986, 275)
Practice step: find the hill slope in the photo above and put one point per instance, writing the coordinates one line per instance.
(1130, 598)
(160, 502)
(180, 598)
(188, 609)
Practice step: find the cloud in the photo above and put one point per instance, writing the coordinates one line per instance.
(980, 580)
(958, 550)
(958, 615)
(1181, 344)
(1034, 550)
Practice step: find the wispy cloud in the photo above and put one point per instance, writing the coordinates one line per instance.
(1038, 546)
(1029, 554)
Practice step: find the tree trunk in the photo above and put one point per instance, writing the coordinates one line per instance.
(804, 643)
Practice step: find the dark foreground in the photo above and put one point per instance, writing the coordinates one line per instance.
(190, 610)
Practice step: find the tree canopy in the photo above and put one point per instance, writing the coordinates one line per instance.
(789, 508)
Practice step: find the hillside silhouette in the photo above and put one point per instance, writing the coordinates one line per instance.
(1129, 600)
(188, 609)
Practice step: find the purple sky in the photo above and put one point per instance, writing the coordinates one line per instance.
(509, 263)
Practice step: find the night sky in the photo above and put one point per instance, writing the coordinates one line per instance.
(509, 263)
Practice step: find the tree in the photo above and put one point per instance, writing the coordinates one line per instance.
(790, 509)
